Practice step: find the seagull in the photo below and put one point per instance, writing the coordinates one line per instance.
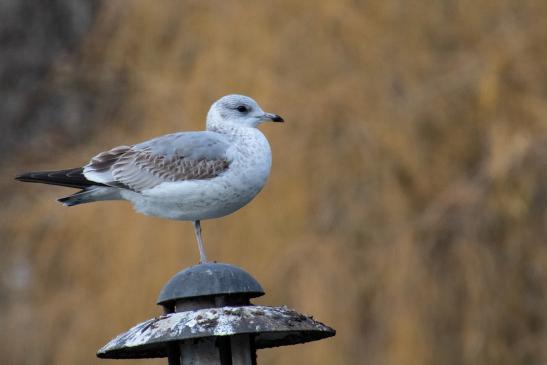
(189, 176)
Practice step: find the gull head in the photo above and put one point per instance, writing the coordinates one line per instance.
(238, 111)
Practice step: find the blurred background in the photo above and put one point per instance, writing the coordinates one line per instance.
(407, 205)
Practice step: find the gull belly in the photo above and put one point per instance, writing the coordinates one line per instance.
(216, 197)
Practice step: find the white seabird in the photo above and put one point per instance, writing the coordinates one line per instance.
(184, 176)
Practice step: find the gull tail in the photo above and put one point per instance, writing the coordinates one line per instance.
(73, 178)
(90, 195)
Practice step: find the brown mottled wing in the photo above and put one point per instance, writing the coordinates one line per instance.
(104, 160)
(141, 170)
(171, 158)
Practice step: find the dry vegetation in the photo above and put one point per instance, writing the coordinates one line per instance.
(407, 205)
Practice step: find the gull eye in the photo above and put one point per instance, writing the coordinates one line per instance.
(242, 109)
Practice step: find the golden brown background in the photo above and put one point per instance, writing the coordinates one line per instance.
(407, 205)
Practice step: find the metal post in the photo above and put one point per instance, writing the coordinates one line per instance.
(242, 353)
(201, 351)
(209, 319)
(173, 351)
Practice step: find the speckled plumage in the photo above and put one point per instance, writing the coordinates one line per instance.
(191, 175)
(185, 176)
(248, 163)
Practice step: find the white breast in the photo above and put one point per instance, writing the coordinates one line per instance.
(250, 165)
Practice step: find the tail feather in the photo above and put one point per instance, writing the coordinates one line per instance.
(91, 194)
(73, 178)
(74, 199)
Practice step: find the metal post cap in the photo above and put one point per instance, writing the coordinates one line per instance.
(209, 279)
(270, 327)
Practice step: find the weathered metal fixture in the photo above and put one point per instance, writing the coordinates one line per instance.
(209, 319)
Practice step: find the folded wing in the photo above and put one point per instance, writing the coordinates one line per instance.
(170, 158)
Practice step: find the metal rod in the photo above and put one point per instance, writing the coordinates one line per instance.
(201, 351)
(241, 350)
(225, 350)
(173, 350)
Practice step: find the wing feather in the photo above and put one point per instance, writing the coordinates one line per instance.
(176, 157)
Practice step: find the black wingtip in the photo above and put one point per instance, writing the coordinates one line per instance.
(29, 177)
(72, 178)
(24, 177)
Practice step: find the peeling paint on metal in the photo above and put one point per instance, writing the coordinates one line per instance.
(275, 325)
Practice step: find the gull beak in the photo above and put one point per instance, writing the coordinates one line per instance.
(272, 117)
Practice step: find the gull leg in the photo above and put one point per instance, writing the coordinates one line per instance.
(197, 230)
